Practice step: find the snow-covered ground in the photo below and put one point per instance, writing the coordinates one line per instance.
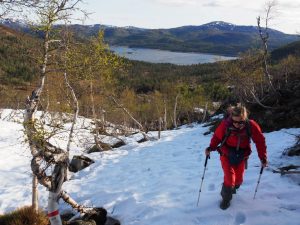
(157, 182)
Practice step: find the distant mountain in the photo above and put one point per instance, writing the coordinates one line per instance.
(216, 37)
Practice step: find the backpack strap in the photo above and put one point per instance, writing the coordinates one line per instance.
(229, 129)
(248, 129)
(225, 137)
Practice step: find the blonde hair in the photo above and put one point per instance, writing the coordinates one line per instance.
(239, 111)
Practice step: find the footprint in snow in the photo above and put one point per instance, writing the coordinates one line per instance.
(176, 154)
(240, 218)
(198, 220)
(211, 187)
(290, 207)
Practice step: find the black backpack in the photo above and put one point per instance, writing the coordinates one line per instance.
(229, 129)
(235, 155)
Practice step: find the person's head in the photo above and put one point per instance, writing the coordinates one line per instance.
(239, 115)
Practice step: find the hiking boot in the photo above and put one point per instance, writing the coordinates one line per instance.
(226, 194)
(235, 188)
(224, 204)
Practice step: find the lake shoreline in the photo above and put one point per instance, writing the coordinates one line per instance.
(182, 51)
(167, 56)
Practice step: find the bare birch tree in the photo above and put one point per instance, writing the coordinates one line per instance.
(93, 65)
(42, 151)
(8, 7)
(264, 36)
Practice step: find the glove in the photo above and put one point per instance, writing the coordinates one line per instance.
(207, 151)
(264, 162)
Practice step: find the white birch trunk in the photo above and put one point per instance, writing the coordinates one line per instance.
(35, 205)
(175, 109)
(159, 127)
(165, 116)
(53, 212)
(205, 112)
(96, 134)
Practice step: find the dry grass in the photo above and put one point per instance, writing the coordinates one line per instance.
(24, 216)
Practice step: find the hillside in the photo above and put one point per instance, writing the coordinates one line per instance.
(286, 50)
(215, 37)
(141, 84)
(18, 51)
(18, 66)
(17, 61)
(8, 31)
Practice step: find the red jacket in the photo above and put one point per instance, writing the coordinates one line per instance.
(232, 141)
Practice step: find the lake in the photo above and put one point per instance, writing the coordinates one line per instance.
(163, 56)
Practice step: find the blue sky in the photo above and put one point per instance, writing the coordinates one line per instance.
(174, 13)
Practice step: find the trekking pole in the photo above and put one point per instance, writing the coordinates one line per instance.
(260, 173)
(207, 157)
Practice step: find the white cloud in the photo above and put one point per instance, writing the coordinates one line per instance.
(174, 13)
(211, 4)
(177, 2)
(253, 4)
(205, 3)
(289, 5)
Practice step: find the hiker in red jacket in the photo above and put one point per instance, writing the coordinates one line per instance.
(233, 135)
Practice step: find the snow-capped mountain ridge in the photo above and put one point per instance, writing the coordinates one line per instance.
(217, 37)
